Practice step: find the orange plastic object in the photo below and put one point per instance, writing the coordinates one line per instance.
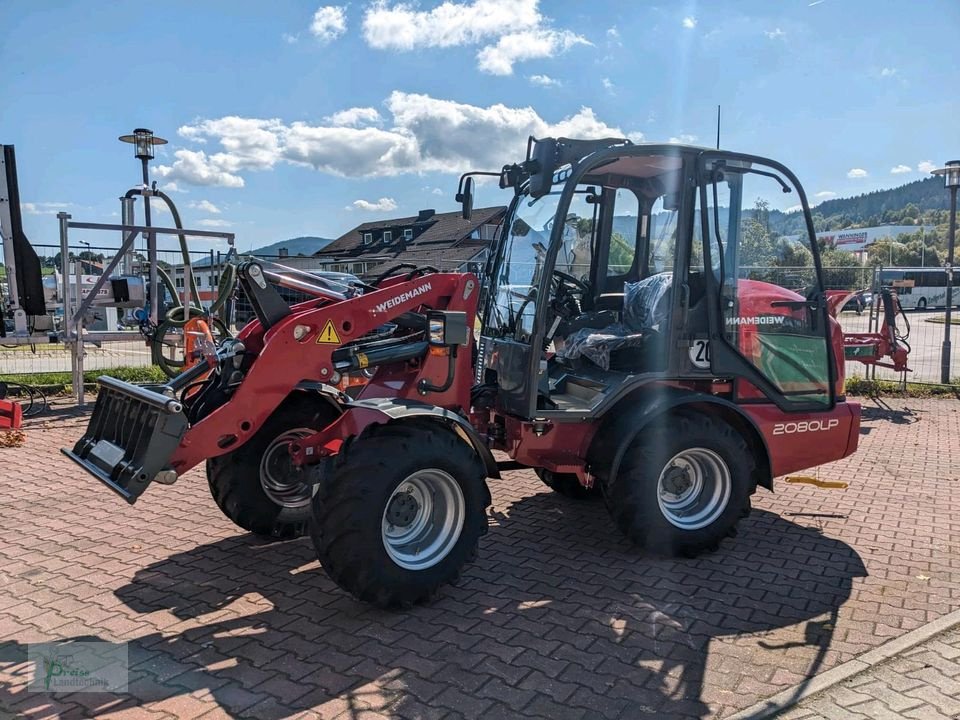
(195, 332)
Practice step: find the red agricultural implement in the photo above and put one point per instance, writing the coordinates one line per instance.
(886, 348)
(628, 348)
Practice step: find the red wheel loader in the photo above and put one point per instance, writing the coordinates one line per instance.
(643, 336)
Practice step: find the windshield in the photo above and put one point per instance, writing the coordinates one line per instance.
(527, 240)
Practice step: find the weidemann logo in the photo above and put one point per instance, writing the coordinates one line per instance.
(757, 320)
(403, 297)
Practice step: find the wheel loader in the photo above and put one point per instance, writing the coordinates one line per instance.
(642, 333)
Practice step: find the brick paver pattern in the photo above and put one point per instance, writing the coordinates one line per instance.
(559, 617)
(922, 684)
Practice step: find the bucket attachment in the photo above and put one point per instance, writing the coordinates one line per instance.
(131, 437)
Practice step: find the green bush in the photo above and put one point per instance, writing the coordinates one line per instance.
(55, 382)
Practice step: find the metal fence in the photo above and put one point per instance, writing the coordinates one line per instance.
(923, 330)
(47, 355)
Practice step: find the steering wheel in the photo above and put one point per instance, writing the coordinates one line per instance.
(580, 284)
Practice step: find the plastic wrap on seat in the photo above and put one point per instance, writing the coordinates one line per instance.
(597, 344)
(644, 302)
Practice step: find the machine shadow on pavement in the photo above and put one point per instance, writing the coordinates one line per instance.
(556, 598)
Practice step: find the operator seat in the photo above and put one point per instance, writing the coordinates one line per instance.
(636, 342)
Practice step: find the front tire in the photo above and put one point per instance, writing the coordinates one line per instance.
(401, 513)
(683, 486)
(256, 485)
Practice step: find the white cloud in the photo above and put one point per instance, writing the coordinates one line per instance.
(888, 72)
(329, 23)
(525, 45)
(775, 34)
(519, 30)
(684, 139)
(172, 187)
(420, 134)
(613, 35)
(855, 173)
(290, 39)
(926, 166)
(900, 169)
(196, 168)
(825, 194)
(689, 22)
(384, 204)
(437, 191)
(608, 85)
(214, 223)
(544, 81)
(355, 117)
(206, 206)
(44, 208)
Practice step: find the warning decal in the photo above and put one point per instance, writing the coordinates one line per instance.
(328, 336)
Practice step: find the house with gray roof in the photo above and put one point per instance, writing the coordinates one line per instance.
(443, 240)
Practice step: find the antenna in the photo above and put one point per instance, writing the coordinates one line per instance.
(718, 127)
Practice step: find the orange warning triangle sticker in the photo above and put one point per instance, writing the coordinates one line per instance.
(328, 335)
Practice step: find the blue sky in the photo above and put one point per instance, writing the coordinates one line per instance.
(294, 118)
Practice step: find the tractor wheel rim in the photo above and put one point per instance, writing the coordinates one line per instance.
(422, 519)
(279, 478)
(694, 488)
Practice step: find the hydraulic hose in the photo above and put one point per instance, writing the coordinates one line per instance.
(179, 315)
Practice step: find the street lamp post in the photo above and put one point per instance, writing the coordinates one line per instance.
(951, 179)
(143, 141)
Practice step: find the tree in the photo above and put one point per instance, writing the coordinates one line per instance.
(621, 253)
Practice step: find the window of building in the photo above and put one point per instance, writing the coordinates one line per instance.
(408, 234)
(367, 238)
(387, 236)
(488, 231)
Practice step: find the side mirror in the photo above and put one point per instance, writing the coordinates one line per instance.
(465, 198)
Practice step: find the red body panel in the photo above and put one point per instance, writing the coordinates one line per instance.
(797, 441)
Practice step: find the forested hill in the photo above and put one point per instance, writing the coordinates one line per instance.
(926, 194)
(904, 204)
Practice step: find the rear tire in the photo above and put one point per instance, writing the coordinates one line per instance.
(401, 513)
(256, 486)
(568, 485)
(683, 486)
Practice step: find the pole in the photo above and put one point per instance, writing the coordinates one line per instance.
(151, 247)
(78, 342)
(945, 355)
(126, 218)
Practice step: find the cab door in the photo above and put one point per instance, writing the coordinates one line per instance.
(768, 316)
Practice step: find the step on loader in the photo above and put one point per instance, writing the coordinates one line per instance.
(640, 335)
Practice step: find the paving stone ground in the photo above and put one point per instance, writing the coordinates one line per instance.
(922, 683)
(559, 617)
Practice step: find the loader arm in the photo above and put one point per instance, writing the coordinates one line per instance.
(307, 344)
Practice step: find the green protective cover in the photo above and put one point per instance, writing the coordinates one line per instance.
(797, 364)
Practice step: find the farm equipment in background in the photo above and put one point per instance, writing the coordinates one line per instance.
(886, 348)
(622, 353)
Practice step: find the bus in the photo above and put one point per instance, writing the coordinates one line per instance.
(921, 288)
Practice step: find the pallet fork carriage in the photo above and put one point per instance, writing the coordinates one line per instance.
(623, 352)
